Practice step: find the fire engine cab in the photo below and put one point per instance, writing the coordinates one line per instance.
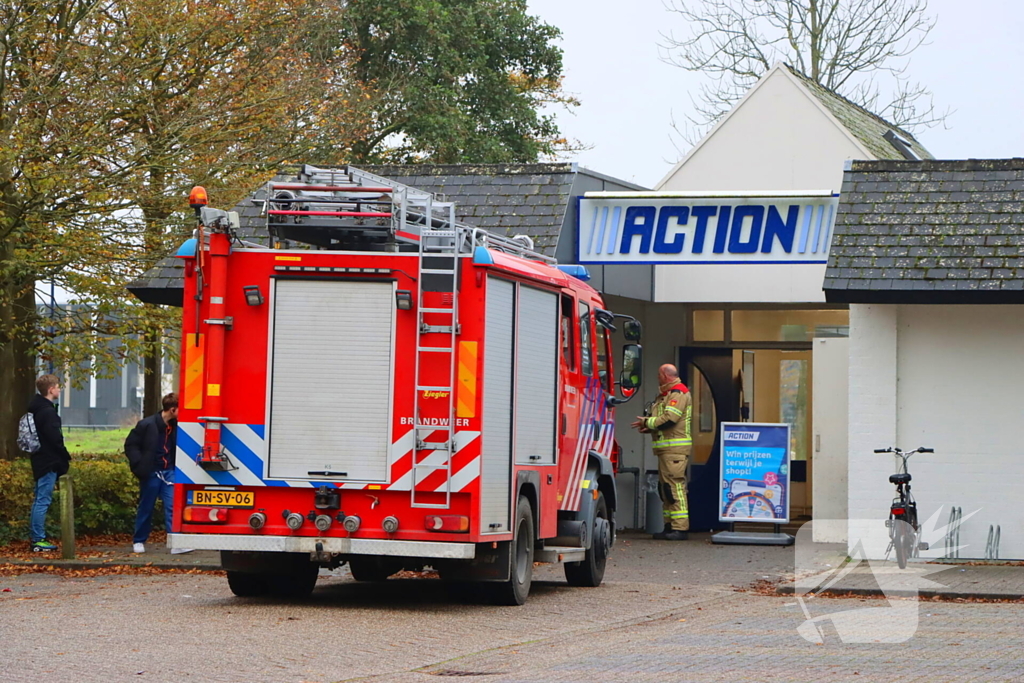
(387, 387)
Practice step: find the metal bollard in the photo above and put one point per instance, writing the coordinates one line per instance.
(67, 518)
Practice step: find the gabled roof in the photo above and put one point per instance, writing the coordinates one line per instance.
(513, 199)
(869, 129)
(866, 130)
(929, 232)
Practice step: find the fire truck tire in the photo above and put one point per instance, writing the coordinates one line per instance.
(246, 585)
(298, 583)
(590, 572)
(371, 568)
(515, 591)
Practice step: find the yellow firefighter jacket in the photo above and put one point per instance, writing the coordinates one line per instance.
(669, 422)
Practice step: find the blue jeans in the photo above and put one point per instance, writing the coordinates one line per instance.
(40, 505)
(157, 485)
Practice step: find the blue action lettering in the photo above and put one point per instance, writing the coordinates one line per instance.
(745, 229)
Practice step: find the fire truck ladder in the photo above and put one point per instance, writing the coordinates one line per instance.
(436, 344)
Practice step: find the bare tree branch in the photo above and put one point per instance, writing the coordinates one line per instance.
(859, 49)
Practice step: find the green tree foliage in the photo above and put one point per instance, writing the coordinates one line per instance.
(455, 81)
(109, 111)
(106, 496)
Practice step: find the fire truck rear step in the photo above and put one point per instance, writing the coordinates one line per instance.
(308, 544)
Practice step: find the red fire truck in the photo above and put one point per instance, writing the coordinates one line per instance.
(402, 391)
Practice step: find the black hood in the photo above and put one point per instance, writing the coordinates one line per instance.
(40, 402)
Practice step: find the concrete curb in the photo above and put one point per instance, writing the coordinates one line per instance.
(83, 564)
(790, 589)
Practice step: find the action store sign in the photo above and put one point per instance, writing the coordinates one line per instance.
(755, 472)
(656, 228)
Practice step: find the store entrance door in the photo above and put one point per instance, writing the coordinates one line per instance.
(709, 373)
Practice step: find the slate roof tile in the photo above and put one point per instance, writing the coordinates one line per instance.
(868, 128)
(918, 226)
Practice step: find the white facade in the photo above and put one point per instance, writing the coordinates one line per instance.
(752, 283)
(778, 137)
(950, 377)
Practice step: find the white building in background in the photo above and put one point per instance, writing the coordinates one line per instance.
(750, 328)
(930, 258)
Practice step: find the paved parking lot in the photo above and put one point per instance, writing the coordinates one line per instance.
(668, 612)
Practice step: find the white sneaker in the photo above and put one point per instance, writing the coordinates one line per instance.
(138, 548)
(179, 551)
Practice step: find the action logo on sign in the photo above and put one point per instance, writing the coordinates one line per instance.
(676, 230)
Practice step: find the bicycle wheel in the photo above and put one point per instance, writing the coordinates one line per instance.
(901, 541)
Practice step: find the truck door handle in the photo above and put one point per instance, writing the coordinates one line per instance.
(563, 424)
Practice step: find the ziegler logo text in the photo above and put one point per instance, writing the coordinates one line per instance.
(435, 394)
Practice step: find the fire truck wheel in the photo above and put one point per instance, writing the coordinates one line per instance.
(298, 583)
(590, 572)
(517, 588)
(370, 568)
(246, 585)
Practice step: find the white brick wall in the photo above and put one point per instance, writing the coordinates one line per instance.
(949, 377)
(873, 352)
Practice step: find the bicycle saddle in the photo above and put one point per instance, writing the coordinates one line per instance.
(901, 478)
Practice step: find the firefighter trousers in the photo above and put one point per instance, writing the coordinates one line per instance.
(672, 489)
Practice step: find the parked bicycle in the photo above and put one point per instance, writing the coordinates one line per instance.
(904, 538)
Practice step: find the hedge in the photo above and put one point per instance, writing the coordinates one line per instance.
(106, 497)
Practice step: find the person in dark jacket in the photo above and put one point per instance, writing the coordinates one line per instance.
(150, 448)
(50, 461)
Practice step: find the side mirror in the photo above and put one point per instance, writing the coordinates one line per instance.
(631, 376)
(631, 330)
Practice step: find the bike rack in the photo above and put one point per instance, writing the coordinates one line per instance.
(953, 534)
(992, 545)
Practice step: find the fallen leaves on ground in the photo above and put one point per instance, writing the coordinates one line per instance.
(405, 574)
(22, 550)
(770, 589)
(7, 569)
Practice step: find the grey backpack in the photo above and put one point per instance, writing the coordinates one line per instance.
(28, 438)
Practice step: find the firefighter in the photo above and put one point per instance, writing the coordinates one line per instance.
(668, 423)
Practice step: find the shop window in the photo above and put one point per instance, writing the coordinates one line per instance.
(708, 326)
(789, 325)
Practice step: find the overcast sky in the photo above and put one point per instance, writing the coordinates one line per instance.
(972, 65)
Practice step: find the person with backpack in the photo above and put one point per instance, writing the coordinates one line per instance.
(150, 448)
(49, 456)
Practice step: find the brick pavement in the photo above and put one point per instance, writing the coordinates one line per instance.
(753, 638)
(668, 612)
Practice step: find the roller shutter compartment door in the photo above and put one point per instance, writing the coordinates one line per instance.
(536, 377)
(496, 473)
(331, 367)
